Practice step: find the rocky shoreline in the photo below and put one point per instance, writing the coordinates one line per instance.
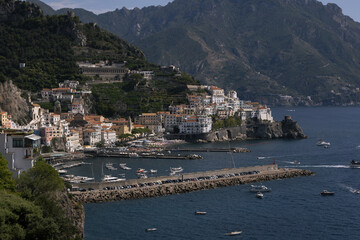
(286, 128)
(184, 187)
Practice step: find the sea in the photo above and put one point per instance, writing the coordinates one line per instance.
(294, 209)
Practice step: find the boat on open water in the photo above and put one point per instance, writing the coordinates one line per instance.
(354, 164)
(327, 193)
(235, 233)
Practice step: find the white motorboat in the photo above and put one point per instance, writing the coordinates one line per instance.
(178, 169)
(142, 176)
(322, 143)
(259, 188)
(260, 157)
(233, 233)
(259, 195)
(153, 171)
(62, 171)
(123, 166)
(109, 178)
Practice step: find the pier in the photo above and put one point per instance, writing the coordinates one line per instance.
(234, 150)
(187, 182)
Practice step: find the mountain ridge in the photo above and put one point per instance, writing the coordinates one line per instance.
(263, 49)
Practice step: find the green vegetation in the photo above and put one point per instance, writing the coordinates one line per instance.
(29, 208)
(229, 122)
(6, 181)
(137, 95)
(122, 136)
(51, 45)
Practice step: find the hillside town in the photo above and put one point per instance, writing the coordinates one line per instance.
(77, 130)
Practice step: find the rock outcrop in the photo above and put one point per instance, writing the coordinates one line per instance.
(73, 210)
(287, 128)
(13, 103)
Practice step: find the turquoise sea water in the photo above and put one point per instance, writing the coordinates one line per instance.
(294, 209)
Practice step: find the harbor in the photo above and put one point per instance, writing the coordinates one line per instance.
(182, 183)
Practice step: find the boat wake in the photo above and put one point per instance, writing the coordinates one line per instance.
(321, 166)
(350, 189)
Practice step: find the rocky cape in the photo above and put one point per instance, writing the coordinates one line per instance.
(286, 128)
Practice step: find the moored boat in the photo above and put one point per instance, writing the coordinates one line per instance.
(153, 171)
(327, 193)
(259, 188)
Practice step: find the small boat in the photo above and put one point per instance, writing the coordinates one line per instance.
(260, 157)
(322, 143)
(153, 171)
(259, 195)
(133, 154)
(141, 170)
(200, 213)
(327, 193)
(178, 169)
(123, 166)
(233, 233)
(259, 188)
(357, 191)
(150, 229)
(62, 171)
(354, 164)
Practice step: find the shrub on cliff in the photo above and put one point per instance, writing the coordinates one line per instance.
(6, 181)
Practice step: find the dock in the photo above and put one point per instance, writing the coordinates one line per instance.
(234, 150)
(184, 183)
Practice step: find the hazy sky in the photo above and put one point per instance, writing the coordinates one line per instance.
(350, 7)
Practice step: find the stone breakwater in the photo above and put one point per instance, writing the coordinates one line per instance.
(185, 187)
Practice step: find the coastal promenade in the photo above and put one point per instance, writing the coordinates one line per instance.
(168, 185)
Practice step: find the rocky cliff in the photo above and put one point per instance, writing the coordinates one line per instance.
(13, 103)
(287, 128)
(74, 211)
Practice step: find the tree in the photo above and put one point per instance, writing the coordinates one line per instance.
(21, 219)
(39, 180)
(6, 180)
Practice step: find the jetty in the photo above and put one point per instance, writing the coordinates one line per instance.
(184, 183)
(234, 150)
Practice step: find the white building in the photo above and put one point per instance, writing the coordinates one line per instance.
(91, 136)
(196, 125)
(108, 136)
(20, 150)
(73, 141)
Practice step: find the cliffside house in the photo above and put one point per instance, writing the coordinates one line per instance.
(20, 149)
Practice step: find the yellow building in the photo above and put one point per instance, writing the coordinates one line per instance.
(4, 120)
(122, 126)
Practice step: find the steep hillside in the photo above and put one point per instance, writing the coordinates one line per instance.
(262, 48)
(50, 46)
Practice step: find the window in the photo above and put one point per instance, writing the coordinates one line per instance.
(18, 143)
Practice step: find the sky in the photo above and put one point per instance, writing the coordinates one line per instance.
(350, 7)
